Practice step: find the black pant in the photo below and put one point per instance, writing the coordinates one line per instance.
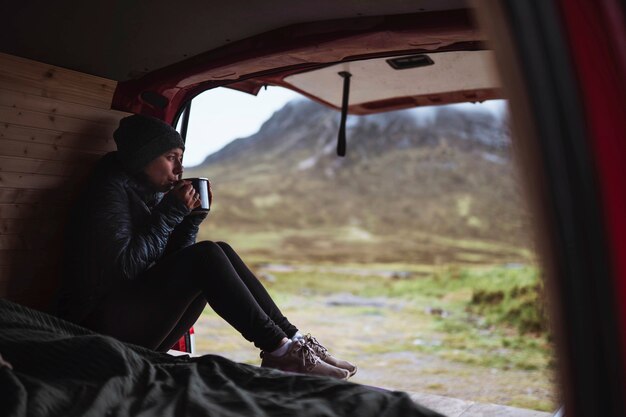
(158, 307)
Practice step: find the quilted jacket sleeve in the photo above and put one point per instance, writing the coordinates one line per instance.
(130, 247)
(185, 233)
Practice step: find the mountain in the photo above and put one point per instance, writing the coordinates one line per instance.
(411, 180)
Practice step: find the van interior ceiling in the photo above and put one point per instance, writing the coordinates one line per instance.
(69, 71)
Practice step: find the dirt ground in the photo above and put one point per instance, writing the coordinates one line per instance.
(374, 336)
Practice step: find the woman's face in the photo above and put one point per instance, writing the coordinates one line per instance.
(165, 170)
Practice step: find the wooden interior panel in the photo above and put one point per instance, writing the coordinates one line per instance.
(55, 137)
(44, 151)
(10, 257)
(24, 195)
(42, 80)
(32, 211)
(24, 101)
(13, 226)
(43, 166)
(36, 181)
(54, 125)
(54, 122)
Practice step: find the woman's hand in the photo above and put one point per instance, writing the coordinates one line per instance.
(184, 191)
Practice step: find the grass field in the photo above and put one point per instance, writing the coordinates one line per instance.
(471, 332)
(352, 244)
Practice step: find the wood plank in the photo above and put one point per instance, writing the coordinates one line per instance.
(56, 137)
(25, 101)
(9, 273)
(5, 275)
(31, 277)
(13, 81)
(21, 257)
(16, 242)
(32, 241)
(46, 167)
(13, 226)
(10, 257)
(27, 227)
(38, 299)
(13, 242)
(25, 195)
(35, 291)
(51, 212)
(39, 182)
(33, 263)
(15, 273)
(32, 226)
(4, 286)
(51, 152)
(31, 257)
(32, 181)
(55, 122)
(19, 74)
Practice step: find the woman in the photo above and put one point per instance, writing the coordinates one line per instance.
(134, 271)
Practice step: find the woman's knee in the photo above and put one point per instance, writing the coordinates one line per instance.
(225, 246)
(207, 247)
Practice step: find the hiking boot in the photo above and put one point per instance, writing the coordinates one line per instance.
(323, 354)
(302, 359)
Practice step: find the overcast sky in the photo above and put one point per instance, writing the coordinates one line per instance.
(221, 115)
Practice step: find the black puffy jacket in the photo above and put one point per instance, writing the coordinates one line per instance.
(117, 229)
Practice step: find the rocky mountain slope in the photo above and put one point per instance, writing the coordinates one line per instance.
(408, 175)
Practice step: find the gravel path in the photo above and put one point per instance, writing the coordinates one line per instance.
(369, 334)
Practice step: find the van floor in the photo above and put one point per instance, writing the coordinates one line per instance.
(454, 407)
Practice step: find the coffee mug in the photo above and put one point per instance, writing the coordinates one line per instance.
(201, 185)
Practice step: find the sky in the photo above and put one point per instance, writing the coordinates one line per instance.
(221, 115)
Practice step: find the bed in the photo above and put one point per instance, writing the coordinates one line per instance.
(51, 367)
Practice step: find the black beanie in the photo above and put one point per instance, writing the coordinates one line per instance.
(140, 139)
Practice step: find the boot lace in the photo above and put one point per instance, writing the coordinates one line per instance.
(317, 347)
(309, 358)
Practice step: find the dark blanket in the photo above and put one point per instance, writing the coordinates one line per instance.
(60, 369)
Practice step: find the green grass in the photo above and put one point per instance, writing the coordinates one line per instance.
(459, 322)
(486, 316)
(352, 244)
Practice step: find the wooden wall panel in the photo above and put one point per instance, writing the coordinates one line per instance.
(13, 226)
(54, 125)
(32, 211)
(36, 181)
(54, 137)
(43, 166)
(41, 151)
(23, 101)
(10, 257)
(53, 121)
(42, 80)
(23, 195)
